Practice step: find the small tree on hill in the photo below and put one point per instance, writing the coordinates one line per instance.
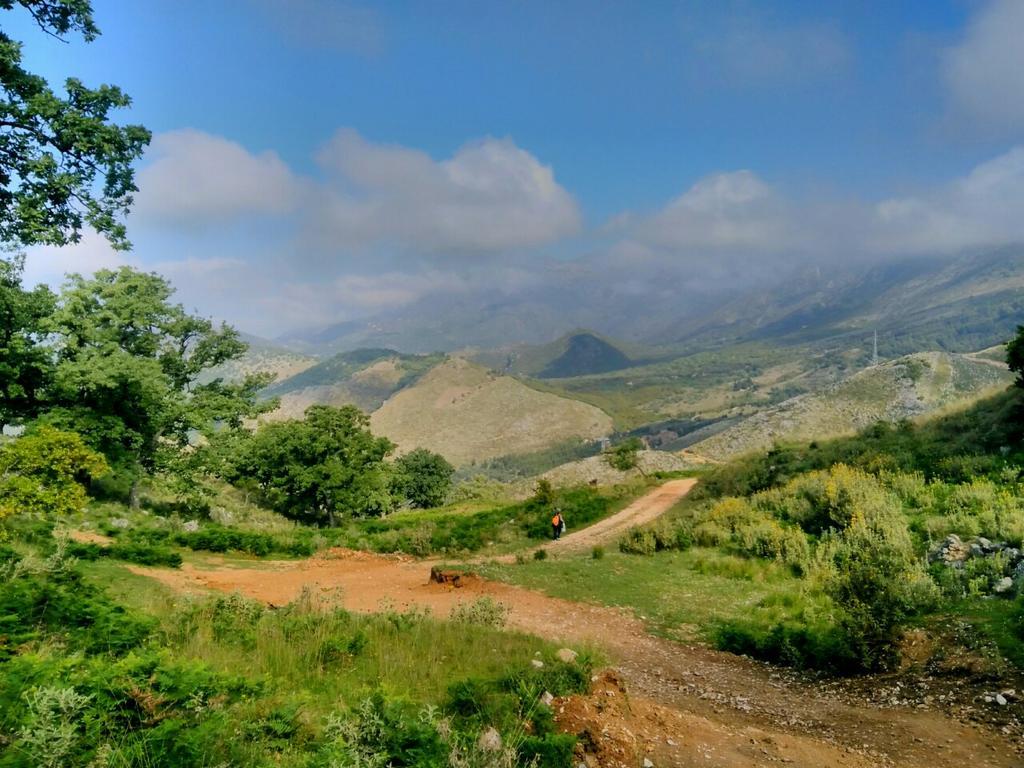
(624, 456)
(423, 478)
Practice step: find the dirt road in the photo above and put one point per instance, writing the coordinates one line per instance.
(679, 705)
(645, 509)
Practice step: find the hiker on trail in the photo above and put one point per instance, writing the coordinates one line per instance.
(557, 524)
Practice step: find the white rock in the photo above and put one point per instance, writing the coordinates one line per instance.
(546, 698)
(537, 663)
(1005, 584)
(648, 763)
(191, 526)
(568, 655)
(1000, 700)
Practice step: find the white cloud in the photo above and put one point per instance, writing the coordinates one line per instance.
(198, 178)
(983, 208)
(48, 264)
(724, 211)
(490, 196)
(985, 71)
(390, 289)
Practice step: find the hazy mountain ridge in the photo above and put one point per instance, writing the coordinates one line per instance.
(914, 303)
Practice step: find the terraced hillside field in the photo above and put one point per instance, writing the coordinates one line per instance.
(904, 388)
(470, 414)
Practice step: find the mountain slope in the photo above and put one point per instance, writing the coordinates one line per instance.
(363, 377)
(900, 389)
(262, 356)
(958, 304)
(469, 414)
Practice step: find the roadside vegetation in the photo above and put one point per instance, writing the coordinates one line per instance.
(821, 555)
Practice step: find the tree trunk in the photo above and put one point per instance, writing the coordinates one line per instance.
(133, 494)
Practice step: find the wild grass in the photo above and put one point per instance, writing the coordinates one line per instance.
(683, 595)
(219, 680)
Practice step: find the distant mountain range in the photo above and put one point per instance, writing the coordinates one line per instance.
(955, 304)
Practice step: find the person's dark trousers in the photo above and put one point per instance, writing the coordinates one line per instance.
(555, 530)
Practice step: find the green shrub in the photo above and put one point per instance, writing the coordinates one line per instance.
(540, 554)
(132, 553)
(638, 541)
(383, 732)
(791, 643)
(550, 751)
(597, 553)
(50, 600)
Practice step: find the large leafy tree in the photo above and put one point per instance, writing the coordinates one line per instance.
(25, 364)
(64, 164)
(128, 369)
(327, 466)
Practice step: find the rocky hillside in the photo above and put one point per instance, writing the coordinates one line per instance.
(904, 388)
(467, 413)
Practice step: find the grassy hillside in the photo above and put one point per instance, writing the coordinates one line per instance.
(468, 414)
(702, 385)
(900, 389)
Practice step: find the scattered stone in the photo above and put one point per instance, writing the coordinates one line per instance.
(567, 655)
(648, 763)
(490, 740)
(190, 526)
(120, 522)
(1000, 700)
(951, 549)
(537, 663)
(546, 698)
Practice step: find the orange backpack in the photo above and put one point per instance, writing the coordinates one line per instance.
(556, 520)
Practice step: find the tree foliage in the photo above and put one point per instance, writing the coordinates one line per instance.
(423, 478)
(63, 164)
(1015, 355)
(327, 466)
(127, 363)
(43, 473)
(25, 365)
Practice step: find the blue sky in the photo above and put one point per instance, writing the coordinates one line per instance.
(800, 119)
